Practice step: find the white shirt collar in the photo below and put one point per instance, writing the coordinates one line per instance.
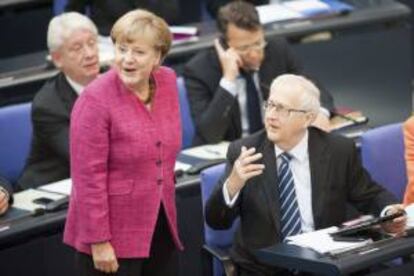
(299, 152)
(76, 86)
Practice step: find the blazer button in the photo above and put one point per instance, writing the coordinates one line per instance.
(158, 163)
(159, 181)
(158, 144)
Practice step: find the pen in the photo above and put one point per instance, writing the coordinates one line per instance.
(368, 251)
(346, 117)
(216, 152)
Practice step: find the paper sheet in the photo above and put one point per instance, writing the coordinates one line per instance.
(63, 187)
(322, 242)
(208, 152)
(24, 199)
(275, 13)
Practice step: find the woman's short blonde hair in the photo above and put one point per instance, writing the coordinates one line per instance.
(139, 24)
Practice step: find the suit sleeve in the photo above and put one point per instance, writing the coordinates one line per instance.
(408, 129)
(218, 214)
(53, 129)
(90, 125)
(211, 110)
(363, 193)
(8, 187)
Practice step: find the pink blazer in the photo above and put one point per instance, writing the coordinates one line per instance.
(122, 165)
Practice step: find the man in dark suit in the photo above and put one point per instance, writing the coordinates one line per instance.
(72, 42)
(227, 85)
(105, 12)
(291, 178)
(6, 195)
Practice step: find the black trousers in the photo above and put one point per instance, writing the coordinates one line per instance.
(163, 259)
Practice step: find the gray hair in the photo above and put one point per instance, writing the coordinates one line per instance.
(309, 93)
(63, 25)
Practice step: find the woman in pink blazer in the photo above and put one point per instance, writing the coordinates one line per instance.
(125, 136)
(408, 128)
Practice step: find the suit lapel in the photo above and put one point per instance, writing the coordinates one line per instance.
(269, 183)
(67, 93)
(319, 157)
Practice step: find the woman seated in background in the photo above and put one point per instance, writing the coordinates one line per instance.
(125, 137)
(408, 129)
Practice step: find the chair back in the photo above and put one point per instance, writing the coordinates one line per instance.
(186, 119)
(59, 6)
(382, 151)
(15, 138)
(215, 238)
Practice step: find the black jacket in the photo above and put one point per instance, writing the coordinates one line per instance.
(49, 155)
(215, 111)
(337, 179)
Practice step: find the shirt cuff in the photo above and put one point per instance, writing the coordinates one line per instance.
(385, 210)
(325, 112)
(229, 202)
(229, 86)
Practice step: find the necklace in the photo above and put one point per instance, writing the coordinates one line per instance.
(151, 90)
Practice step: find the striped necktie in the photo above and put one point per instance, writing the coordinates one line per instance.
(290, 221)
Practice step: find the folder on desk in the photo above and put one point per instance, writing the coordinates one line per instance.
(301, 9)
(310, 8)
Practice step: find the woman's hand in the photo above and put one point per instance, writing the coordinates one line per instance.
(104, 258)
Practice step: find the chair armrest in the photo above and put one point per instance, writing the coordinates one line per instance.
(219, 253)
(223, 256)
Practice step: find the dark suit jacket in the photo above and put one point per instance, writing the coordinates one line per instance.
(337, 179)
(8, 187)
(214, 110)
(104, 13)
(49, 156)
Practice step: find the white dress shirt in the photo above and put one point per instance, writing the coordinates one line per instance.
(299, 165)
(76, 86)
(237, 88)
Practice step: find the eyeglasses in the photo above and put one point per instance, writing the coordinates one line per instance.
(281, 110)
(260, 45)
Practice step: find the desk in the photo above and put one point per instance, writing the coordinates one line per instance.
(365, 64)
(304, 259)
(33, 246)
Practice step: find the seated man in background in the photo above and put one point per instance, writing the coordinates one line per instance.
(227, 85)
(6, 195)
(72, 43)
(291, 178)
(408, 129)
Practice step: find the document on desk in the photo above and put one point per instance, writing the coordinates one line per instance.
(208, 152)
(63, 187)
(181, 166)
(410, 215)
(308, 7)
(322, 242)
(24, 200)
(276, 12)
